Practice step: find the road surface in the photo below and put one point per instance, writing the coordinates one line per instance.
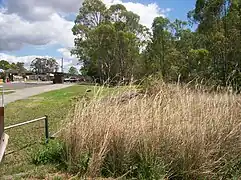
(22, 85)
(31, 91)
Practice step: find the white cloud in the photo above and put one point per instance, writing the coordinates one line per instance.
(40, 10)
(15, 32)
(42, 23)
(68, 60)
(36, 22)
(66, 54)
(146, 12)
(14, 59)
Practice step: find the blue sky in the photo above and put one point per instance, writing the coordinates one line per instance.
(179, 8)
(30, 28)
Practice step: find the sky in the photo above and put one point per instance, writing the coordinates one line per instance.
(42, 28)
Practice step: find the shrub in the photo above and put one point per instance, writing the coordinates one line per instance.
(51, 153)
(174, 133)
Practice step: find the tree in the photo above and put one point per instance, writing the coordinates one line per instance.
(158, 46)
(44, 65)
(219, 22)
(111, 43)
(4, 65)
(19, 66)
(109, 49)
(73, 70)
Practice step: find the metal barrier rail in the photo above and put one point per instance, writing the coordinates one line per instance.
(4, 137)
(45, 118)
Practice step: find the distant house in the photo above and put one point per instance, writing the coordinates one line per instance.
(11, 71)
(12, 75)
(41, 77)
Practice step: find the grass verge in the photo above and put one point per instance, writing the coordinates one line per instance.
(7, 92)
(55, 104)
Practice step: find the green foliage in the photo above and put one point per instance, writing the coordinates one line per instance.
(81, 165)
(4, 65)
(18, 67)
(51, 153)
(152, 83)
(134, 166)
(112, 44)
(149, 168)
(57, 178)
(44, 65)
(73, 70)
(199, 64)
(110, 48)
(230, 169)
(219, 26)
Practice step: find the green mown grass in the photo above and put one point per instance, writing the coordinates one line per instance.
(8, 92)
(55, 104)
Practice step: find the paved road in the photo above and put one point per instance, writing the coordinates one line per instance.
(22, 85)
(27, 92)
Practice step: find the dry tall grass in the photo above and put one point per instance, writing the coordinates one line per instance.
(174, 133)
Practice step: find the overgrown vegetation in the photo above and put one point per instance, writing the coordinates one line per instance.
(165, 131)
(56, 104)
(50, 153)
(172, 132)
(112, 45)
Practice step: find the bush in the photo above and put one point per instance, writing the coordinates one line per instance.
(176, 133)
(52, 153)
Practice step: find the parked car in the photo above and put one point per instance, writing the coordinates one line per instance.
(71, 80)
(67, 80)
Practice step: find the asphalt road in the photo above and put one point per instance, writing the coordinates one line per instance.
(28, 91)
(23, 85)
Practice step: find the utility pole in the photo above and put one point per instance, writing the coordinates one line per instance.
(62, 65)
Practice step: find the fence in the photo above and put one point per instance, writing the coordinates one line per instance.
(46, 126)
(5, 137)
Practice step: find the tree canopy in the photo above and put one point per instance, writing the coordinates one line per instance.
(112, 44)
(73, 70)
(107, 40)
(44, 65)
(18, 67)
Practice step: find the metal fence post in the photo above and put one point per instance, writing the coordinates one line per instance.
(46, 124)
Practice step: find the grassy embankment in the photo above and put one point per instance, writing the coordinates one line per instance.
(55, 104)
(170, 133)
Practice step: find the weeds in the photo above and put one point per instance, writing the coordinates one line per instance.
(172, 132)
(51, 153)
